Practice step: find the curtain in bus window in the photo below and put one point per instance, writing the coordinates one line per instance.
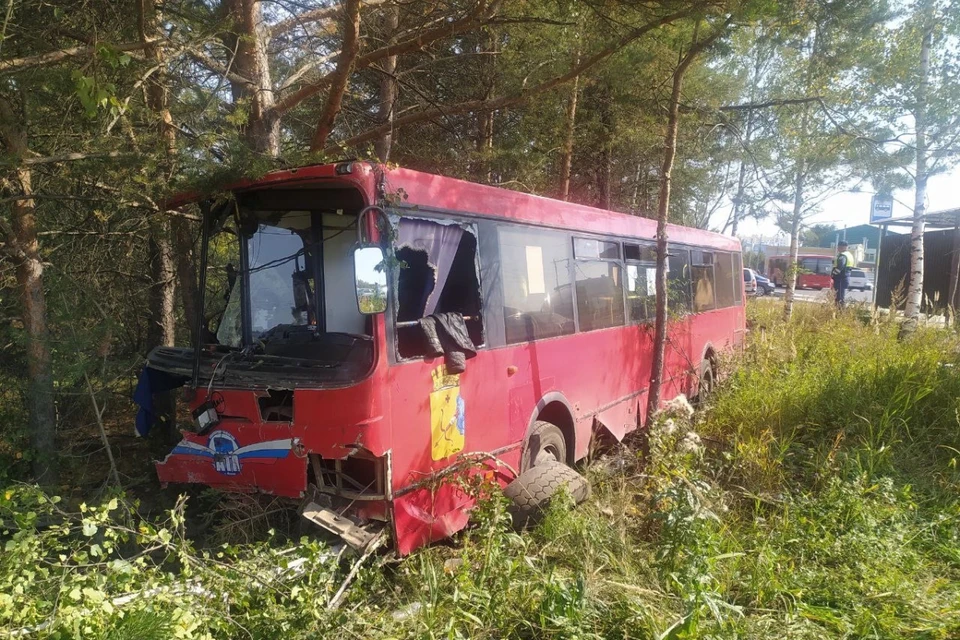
(725, 280)
(440, 243)
(599, 294)
(737, 286)
(678, 280)
(537, 298)
(704, 288)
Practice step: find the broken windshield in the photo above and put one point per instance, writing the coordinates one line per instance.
(296, 283)
(281, 286)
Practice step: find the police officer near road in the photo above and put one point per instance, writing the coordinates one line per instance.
(841, 272)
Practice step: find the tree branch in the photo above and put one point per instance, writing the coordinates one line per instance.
(750, 106)
(348, 53)
(213, 65)
(472, 19)
(509, 101)
(52, 57)
(315, 15)
(70, 157)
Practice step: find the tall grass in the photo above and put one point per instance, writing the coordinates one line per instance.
(816, 496)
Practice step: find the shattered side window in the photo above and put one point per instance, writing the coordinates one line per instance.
(437, 275)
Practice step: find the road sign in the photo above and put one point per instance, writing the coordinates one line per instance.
(881, 208)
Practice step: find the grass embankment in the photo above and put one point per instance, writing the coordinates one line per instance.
(818, 500)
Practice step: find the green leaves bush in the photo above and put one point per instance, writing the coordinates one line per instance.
(815, 497)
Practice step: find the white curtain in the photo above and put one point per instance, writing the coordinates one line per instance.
(439, 242)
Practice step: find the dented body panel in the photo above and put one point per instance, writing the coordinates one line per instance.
(394, 445)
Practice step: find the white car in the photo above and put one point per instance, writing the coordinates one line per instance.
(749, 282)
(858, 280)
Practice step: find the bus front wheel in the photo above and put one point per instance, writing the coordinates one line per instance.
(545, 443)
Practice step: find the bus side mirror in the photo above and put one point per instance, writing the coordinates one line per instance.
(370, 277)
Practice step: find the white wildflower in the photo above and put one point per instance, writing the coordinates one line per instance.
(679, 406)
(691, 443)
(668, 427)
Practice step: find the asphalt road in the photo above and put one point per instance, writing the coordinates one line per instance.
(827, 295)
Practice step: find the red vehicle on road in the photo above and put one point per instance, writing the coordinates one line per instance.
(813, 271)
(302, 392)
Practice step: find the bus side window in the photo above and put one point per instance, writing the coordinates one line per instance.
(704, 285)
(599, 283)
(737, 284)
(537, 297)
(725, 282)
(437, 274)
(641, 282)
(678, 281)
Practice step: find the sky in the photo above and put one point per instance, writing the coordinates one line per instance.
(852, 209)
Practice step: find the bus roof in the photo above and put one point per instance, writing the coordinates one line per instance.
(429, 191)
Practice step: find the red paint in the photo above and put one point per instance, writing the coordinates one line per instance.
(599, 376)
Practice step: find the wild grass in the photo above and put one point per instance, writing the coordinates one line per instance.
(816, 496)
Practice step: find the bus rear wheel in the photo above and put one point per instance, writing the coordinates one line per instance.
(544, 444)
(708, 380)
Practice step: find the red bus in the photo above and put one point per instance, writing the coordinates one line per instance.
(301, 391)
(813, 273)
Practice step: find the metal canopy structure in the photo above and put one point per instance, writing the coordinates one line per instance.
(941, 263)
(946, 219)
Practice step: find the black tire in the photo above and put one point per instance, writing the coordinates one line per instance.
(530, 492)
(707, 382)
(545, 442)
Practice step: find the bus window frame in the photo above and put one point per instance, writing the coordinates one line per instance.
(469, 224)
(618, 243)
(639, 262)
(487, 228)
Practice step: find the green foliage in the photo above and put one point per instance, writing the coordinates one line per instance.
(815, 497)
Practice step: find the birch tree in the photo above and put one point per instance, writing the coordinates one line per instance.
(917, 98)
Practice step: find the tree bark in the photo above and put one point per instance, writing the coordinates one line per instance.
(570, 129)
(797, 216)
(921, 173)
(22, 238)
(170, 239)
(338, 84)
(160, 232)
(388, 88)
(249, 40)
(663, 212)
(605, 166)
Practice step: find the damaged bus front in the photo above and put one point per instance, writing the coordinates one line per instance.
(284, 387)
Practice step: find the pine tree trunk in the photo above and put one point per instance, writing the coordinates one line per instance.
(796, 217)
(605, 168)
(262, 130)
(388, 88)
(921, 175)
(663, 211)
(348, 53)
(40, 399)
(22, 239)
(170, 244)
(164, 278)
(570, 128)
